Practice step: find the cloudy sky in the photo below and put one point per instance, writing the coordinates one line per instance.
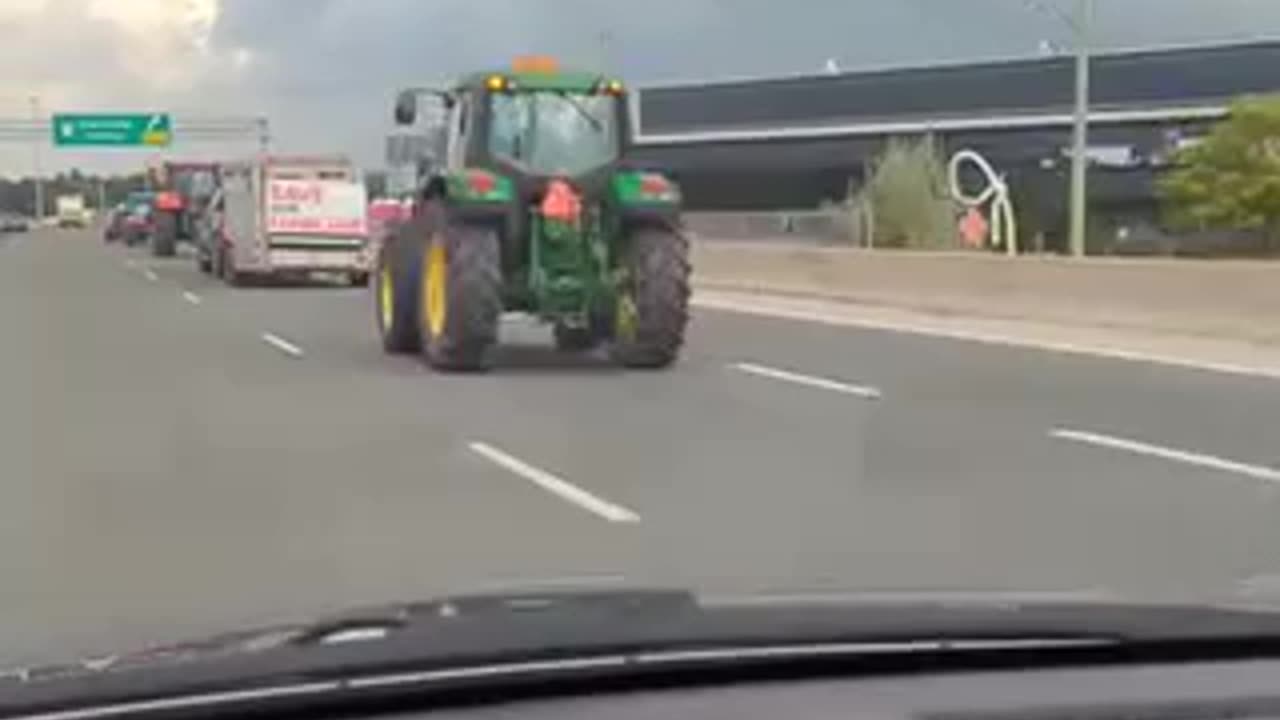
(323, 71)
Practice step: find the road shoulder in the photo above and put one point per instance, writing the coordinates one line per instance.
(1216, 354)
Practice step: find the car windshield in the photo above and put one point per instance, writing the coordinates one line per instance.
(554, 133)
(832, 299)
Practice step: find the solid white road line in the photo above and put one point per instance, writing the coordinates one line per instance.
(191, 297)
(929, 329)
(554, 485)
(281, 344)
(150, 274)
(861, 391)
(1212, 462)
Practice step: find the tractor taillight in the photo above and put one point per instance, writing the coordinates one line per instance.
(654, 185)
(168, 201)
(480, 183)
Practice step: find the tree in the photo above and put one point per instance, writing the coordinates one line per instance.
(1231, 179)
(909, 197)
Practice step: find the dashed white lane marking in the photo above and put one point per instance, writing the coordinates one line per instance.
(812, 381)
(150, 274)
(191, 297)
(1187, 457)
(131, 264)
(281, 344)
(561, 488)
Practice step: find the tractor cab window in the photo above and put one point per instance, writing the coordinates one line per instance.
(554, 133)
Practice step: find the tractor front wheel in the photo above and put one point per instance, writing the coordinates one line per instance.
(397, 277)
(461, 296)
(652, 307)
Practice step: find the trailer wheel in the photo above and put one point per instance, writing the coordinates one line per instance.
(227, 270)
(204, 262)
(396, 284)
(461, 297)
(652, 307)
(164, 238)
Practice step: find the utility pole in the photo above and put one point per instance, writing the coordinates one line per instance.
(1080, 135)
(37, 172)
(264, 134)
(605, 40)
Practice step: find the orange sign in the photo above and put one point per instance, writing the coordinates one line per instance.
(974, 228)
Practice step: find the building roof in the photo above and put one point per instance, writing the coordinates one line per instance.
(1208, 75)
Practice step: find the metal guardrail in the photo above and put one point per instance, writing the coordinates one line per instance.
(799, 226)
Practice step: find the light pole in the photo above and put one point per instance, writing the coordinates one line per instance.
(37, 181)
(1080, 135)
(605, 39)
(1081, 24)
(264, 134)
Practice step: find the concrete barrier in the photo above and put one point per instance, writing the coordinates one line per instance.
(1239, 300)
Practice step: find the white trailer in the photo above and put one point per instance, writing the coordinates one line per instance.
(292, 216)
(71, 212)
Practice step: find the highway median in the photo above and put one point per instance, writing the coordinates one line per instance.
(1209, 313)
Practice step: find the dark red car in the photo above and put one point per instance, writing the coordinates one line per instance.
(133, 221)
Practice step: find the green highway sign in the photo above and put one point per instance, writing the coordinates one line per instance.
(112, 130)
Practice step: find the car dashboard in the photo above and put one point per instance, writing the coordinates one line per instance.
(1183, 691)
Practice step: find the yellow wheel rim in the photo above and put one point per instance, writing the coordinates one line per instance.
(436, 296)
(624, 317)
(386, 298)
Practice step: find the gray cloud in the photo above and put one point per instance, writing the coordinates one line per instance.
(324, 70)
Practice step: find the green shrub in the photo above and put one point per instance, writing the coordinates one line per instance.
(905, 202)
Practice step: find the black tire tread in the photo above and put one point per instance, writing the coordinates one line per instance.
(164, 238)
(658, 263)
(474, 302)
(403, 251)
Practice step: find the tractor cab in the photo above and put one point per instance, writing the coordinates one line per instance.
(533, 121)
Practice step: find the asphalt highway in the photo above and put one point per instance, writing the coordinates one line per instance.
(182, 457)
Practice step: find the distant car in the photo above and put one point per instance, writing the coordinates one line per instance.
(14, 223)
(113, 228)
(134, 220)
(138, 224)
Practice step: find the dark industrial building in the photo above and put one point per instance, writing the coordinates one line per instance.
(793, 142)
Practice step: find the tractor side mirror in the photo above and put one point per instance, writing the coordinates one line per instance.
(406, 107)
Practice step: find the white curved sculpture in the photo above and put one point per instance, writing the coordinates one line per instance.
(1004, 229)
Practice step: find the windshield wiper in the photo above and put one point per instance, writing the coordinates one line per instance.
(592, 120)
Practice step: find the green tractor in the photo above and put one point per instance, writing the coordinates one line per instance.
(533, 207)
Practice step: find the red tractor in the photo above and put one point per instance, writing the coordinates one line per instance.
(182, 193)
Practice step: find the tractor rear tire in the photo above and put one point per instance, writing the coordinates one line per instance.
(465, 290)
(653, 302)
(396, 289)
(164, 238)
